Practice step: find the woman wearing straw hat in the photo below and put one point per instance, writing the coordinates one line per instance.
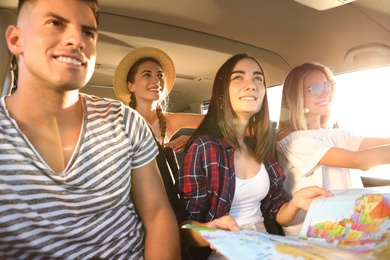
(143, 80)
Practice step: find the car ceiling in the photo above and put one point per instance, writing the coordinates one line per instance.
(200, 35)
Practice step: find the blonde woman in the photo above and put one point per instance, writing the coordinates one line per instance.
(310, 152)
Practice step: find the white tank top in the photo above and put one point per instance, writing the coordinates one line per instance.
(245, 208)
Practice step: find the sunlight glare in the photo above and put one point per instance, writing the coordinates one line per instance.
(362, 102)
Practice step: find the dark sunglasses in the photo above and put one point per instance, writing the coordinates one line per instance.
(317, 89)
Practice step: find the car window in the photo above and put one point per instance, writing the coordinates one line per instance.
(362, 102)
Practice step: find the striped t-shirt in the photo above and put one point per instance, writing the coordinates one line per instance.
(85, 211)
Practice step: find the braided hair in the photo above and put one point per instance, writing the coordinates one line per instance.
(162, 123)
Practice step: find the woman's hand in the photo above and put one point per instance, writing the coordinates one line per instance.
(226, 223)
(301, 200)
(193, 238)
(303, 197)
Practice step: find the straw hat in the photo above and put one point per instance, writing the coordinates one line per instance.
(120, 76)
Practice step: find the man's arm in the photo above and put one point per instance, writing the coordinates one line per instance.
(161, 228)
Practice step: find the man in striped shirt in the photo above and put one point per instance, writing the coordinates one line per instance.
(78, 177)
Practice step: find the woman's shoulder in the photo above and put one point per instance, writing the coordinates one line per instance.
(176, 121)
(184, 120)
(282, 133)
(208, 140)
(175, 116)
(327, 132)
(309, 138)
(106, 106)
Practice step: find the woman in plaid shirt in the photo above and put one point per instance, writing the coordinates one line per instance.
(228, 179)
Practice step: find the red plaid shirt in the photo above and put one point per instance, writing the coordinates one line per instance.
(206, 182)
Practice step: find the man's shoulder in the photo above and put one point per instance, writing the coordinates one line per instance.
(92, 101)
(95, 99)
(95, 104)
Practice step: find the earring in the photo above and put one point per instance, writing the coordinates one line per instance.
(306, 110)
(254, 119)
(220, 98)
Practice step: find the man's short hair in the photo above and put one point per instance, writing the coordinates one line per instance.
(93, 4)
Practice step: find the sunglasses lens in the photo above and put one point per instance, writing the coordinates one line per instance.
(328, 85)
(316, 90)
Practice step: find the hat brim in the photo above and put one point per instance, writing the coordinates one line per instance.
(120, 75)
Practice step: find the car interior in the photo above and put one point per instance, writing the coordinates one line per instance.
(345, 35)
